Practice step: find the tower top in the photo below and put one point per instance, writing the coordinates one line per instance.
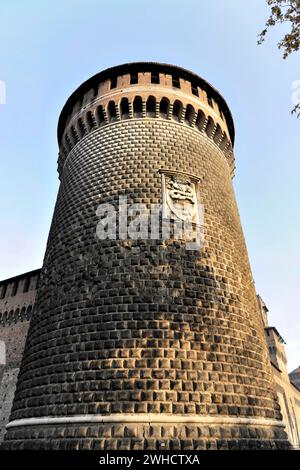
(173, 77)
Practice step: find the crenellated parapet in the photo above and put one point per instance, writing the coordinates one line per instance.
(145, 342)
(146, 91)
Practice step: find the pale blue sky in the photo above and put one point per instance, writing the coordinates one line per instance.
(49, 47)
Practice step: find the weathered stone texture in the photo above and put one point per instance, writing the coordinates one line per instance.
(148, 437)
(145, 326)
(13, 336)
(17, 297)
(7, 389)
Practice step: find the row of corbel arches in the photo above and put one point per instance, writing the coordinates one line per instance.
(15, 316)
(141, 108)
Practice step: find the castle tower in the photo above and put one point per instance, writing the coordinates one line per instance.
(145, 344)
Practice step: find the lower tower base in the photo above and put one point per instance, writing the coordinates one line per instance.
(145, 432)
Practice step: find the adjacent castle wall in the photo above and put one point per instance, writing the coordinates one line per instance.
(289, 400)
(143, 343)
(288, 394)
(17, 297)
(13, 335)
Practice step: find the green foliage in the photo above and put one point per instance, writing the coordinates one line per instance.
(283, 11)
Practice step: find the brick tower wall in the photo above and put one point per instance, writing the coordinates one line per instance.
(143, 344)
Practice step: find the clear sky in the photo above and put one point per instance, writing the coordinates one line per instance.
(49, 47)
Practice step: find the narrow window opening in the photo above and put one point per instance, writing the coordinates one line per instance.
(28, 312)
(113, 83)
(150, 106)
(175, 82)
(112, 115)
(3, 292)
(200, 120)
(16, 315)
(22, 315)
(90, 120)
(15, 288)
(26, 284)
(133, 78)
(74, 134)
(124, 108)
(138, 107)
(154, 77)
(189, 115)
(177, 110)
(100, 115)
(210, 127)
(81, 127)
(195, 90)
(164, 108)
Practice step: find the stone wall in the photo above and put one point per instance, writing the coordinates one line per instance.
(8, 384)
(289, 400)
(288, 394)
(15, 312)
(145, 327)
(143, 343)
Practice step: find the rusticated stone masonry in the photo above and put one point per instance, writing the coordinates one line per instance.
(143, 344)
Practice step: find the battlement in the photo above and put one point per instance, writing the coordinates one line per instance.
(146, 91)
(143, 343)
(17, 296)
(17, 299)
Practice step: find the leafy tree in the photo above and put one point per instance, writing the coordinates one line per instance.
(285, 11)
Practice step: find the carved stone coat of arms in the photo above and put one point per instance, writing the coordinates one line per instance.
(180, 201)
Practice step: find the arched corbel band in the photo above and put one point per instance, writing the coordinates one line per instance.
(138, 108)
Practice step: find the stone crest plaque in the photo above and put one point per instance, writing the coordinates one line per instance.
(180, 198)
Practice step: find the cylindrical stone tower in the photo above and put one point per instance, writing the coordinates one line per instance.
(145, 344)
